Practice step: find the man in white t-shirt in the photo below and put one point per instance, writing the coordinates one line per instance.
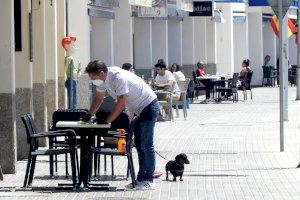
(165, 78)
(131, 92)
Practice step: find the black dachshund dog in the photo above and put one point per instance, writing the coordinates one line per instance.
(177, 167)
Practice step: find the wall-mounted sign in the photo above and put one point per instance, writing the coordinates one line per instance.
(158, 10)
(202, 9)
(144, 3)
(186, 5)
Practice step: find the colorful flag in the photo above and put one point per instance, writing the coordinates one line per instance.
(275, 26)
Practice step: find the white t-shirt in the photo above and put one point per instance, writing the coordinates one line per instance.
(167, 77)
(119, 82)
(179, 76)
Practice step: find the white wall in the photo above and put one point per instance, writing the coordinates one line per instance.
(212, 54)
(123, 38)
(200, 39)
(79, 26)
(143, 43)
(225, 40)
(175, 41)
(188, 43)
(102, 40)
(269, 43)
(160, 41)
(256, 46)
(240, 41)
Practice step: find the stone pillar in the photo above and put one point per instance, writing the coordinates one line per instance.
(200, 39)
(123, 34)
(51, 59)
(188, 41)
(143, 43)
(102, 45)
(225, 40)
(269, 45)
(39, 65)
(256, 46)
(160, 41)
(211, 35)
(8, 153)
(240, 42)
(61, 33)
(24, 98)
(175, 41)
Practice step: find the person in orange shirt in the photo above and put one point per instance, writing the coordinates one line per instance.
(200, 70)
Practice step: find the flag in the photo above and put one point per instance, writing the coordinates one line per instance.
(275, 26)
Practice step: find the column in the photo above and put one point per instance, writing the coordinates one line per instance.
(102, 45)
(200, 39)
(175, 41)
(61, 33)
(240, 42)
(269, 45)
(24, 98)
(225, 63)
(123, 34)
(211, 35)
(256, 46)
(51, 59)
(188, 41)
(160, 41)
(39, 65)
(8, 154)
(79, 26)
(143, 44)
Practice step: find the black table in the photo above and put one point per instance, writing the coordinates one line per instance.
(86, 132)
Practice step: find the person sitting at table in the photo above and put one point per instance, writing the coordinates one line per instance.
(128, 67)
(165, 79)
(200, 69)
(175, 69)
(245, 69)
(131, 92)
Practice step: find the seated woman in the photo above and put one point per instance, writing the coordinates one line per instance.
(200, 69)
(179, 76)
(245, 69)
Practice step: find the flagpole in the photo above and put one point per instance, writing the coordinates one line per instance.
(298, 55)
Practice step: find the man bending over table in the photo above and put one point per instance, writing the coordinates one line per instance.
(131, 92)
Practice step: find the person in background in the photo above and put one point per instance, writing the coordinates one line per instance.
(179, 76)
(165, 79)
(267, 62)
(128, 67)
(245, 69)
(200, 69)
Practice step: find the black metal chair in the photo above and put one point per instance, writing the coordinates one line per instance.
(267, 76)
(231, 89)
(32, 138)
(114, 152)
(197, 86)
(246, 83)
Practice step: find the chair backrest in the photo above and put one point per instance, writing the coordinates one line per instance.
(235, 78)
(183, 85)
(30, 130)
(195, 77)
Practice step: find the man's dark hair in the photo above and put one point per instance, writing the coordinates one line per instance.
(161, 65)
(96, 66)
(126, 66)
(161, 61)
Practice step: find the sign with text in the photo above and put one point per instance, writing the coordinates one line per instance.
(186, 5)
(144, 3)
(158, 10)
(202, 9)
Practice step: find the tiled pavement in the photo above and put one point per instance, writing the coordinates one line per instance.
(233, 150)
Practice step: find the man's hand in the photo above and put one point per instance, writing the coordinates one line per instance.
(86, 118)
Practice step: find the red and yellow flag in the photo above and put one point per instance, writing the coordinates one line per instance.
(275, 26)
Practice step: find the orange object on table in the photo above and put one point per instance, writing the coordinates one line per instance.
(121, 131)
(121, 145)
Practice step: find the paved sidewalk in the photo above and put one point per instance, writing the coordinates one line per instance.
(233, 150)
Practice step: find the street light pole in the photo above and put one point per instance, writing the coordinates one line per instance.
(281, 76)
(298, 55)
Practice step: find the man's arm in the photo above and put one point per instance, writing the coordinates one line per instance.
(169, 83)
(97, 101)
(120, 106)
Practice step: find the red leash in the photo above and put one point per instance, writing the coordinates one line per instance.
(161, 156)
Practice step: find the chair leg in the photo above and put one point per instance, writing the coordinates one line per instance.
(73, 166)
(77, 162)
(112, 166)
(177, 110)
(127, 175)
(66, 165)
(56, 167)
(32, 170)
(105, 164)
(251, 93)
(184, 108)
(98, 170)
(27, 171)
(131, 166)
